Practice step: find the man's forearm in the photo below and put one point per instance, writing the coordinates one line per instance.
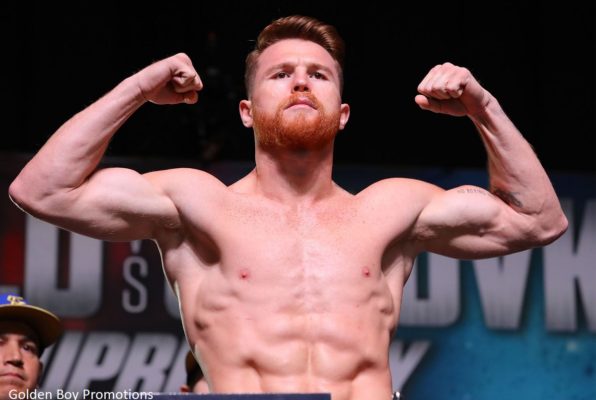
(516, 175)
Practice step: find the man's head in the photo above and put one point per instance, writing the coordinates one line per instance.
(195, 380)
(296, 27)
(25, 331)
(294, 80)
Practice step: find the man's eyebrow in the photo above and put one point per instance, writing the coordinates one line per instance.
(321, 67)
(280, 66)
(22, 337)
(29, 338)
(285, 65)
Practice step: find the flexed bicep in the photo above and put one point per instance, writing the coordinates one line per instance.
(524, 211)
(470, 222)
(61, 183)
(114, 204)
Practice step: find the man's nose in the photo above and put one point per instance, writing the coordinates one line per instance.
(301, 83)
(12, 354)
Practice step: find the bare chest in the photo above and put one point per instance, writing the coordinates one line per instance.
(307, 253)
(308, 259)
(307, 238)
(284, 271)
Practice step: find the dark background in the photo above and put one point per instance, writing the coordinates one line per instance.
(536, 58)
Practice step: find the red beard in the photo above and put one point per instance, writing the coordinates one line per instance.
(297, 132)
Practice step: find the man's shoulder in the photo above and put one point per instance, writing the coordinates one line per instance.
(400, 187)
(184, 177)
(189, 186)
(397, 197)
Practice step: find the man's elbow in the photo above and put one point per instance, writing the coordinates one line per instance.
(26, 197)
(552, 229)
(16, 192)
(19, 195)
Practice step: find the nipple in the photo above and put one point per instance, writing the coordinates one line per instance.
(365, 271)
(244, 274)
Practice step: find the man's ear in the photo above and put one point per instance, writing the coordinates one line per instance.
(40, 374)
(245, 108)
(344, 115)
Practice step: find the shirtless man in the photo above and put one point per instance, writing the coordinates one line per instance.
(287, 282)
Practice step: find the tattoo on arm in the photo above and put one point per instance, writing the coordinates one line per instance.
(507, 197)
(471, 190)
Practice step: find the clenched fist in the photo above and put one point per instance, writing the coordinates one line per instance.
(170, 81)
(453, 90)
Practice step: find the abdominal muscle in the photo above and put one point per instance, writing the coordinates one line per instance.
(276, 336)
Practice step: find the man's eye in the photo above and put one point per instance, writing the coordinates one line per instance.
(30, 348)
(281, 75)
(318, 75)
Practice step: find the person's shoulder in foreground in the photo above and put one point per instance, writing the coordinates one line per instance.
(25, 331)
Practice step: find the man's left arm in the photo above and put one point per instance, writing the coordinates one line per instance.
(520, 211)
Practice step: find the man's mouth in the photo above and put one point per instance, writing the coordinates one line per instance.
(11, 375)
(302, 101)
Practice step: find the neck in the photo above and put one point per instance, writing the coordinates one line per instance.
(294, 175)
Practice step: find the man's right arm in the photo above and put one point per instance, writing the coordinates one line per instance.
(61, 185)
